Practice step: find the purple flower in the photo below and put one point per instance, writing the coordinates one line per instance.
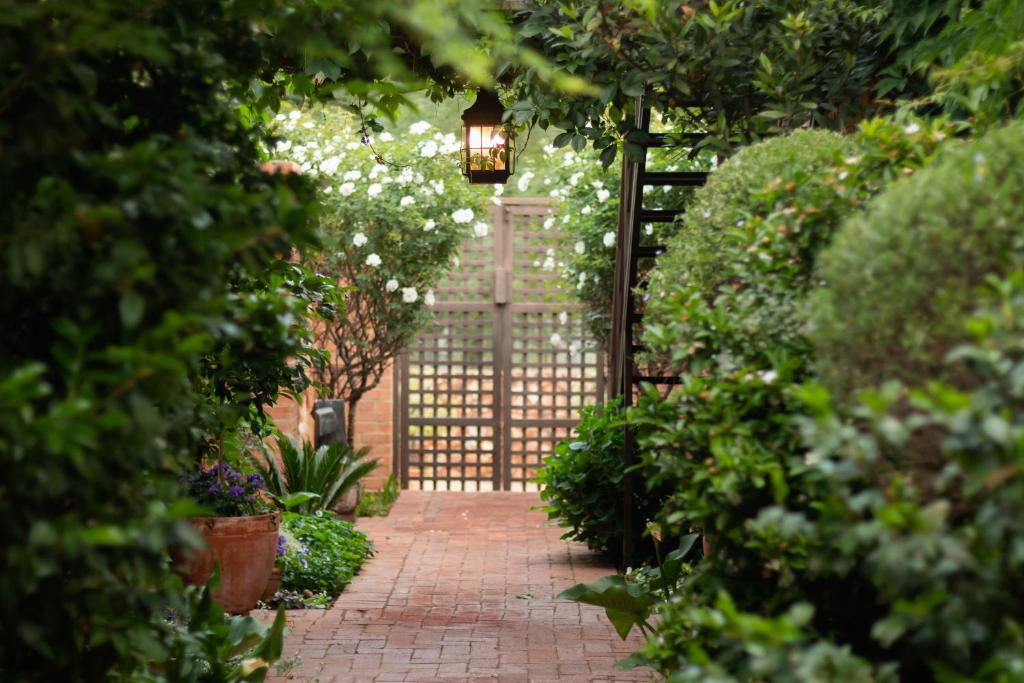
(214, 490)
(281, 540)
(236, 491)
(255, 481)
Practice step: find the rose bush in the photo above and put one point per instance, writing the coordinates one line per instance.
(395, 211)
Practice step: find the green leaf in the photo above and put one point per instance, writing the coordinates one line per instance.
(626, 604)
(131, 308)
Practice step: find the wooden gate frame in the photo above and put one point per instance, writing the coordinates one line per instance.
(510, 337)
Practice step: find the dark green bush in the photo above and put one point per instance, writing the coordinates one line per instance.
(883, 582)
(330, 553)
(900, 278)
(581, 483)
(725, 441)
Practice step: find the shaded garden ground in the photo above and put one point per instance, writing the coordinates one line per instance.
(462, 589)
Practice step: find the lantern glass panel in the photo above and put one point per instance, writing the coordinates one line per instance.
(486, 148)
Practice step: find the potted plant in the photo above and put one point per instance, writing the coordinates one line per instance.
(240, 537)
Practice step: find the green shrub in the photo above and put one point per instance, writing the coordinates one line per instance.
(581, 483)
(725, 441)
(900, 278)
(330, 553)
(328, 472)
(883, 582)
(695, 253)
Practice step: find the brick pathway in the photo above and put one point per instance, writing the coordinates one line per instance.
(462, 589)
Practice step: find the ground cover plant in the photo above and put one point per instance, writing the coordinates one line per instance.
(322, 553)
(379, 503)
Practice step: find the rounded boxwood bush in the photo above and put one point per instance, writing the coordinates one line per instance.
(696, 252)
(900, 277)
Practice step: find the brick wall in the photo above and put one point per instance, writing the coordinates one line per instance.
(374, 424)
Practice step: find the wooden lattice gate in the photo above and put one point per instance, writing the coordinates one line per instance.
(499, 375)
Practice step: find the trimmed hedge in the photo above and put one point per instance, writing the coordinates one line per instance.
(900, 278)
(696, 252)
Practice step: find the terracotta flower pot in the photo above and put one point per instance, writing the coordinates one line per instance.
(273, 584)
(245, 549)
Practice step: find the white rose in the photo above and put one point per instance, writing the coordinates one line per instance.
(352, 175)
(346, 189)
(609, 239)
(409, 295)
(294, 115)
(283, 146)
(524, 181)
(419, 128)
(549, 223)
(407, 200)
(580, 247)
(438, 186)
(429, 298)
(386, 137)
(481, 229)
(429, 225)
(563, 318)
(374, 189)
(586, 210)
(391, 285)
(329, 166)
(373, 260)
(555, 339)
(429, 149)
(462, 215)
(499, 190)
(359, 239)
(603, 195)
(912, 128)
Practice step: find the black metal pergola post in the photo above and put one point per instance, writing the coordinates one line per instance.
(627, 318)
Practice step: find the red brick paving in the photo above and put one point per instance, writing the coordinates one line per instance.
(462, 589)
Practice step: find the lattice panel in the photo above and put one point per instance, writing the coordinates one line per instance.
(537, 261)
(528, 446)
(452, 457)
(451, 368)
(472, 278)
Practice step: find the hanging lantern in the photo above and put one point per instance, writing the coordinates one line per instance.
(488, 144)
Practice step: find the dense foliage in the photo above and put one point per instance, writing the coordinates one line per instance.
(882, 580)
(581, 483)
(146, 302)
(327, 553)
(395, 211)
(891, 309)
(735, 70)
